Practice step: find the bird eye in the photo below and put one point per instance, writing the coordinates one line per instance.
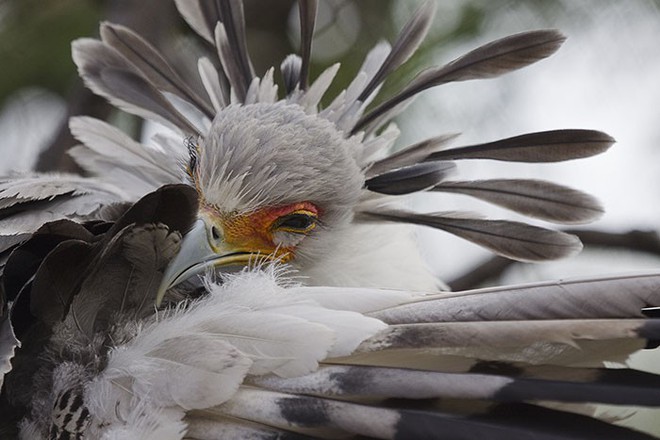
(296, 222)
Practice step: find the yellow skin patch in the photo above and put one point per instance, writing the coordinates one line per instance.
(253, 233)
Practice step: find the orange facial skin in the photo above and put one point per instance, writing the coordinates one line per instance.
(254, 232)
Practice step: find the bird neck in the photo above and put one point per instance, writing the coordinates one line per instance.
(385, 256)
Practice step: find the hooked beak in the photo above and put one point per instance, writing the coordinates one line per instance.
(199, 251)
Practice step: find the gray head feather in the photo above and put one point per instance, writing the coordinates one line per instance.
(276, 154)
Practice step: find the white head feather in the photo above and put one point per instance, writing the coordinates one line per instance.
(274, 154)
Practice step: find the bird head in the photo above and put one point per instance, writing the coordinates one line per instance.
(278, 174)
(274, 182)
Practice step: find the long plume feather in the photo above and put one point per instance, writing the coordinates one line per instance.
(535, 198)
(152, 64)
(110, 75)
(493, 59)
(413, 178)
(410, 155)
(409, 39)
(544, 146)
(514, 240)
(307, 10)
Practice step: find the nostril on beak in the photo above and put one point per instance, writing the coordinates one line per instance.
(215, 233)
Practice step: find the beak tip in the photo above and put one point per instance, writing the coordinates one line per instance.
(194, 249)
(160, 295)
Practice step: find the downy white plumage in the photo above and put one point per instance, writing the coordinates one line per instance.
(306, 340)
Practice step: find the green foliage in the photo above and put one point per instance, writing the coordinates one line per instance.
(35, 42)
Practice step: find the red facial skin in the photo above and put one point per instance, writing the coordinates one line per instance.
(253, 232)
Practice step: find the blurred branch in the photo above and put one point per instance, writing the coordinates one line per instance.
(635, 240)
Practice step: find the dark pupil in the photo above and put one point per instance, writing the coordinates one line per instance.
(297, 221)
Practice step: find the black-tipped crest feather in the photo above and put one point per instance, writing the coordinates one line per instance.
(544, 146)
(490, 60)
(112, 76)
(236, 57)
(307, 10)
(133, 88)
(409, 39)
(413, 178)
(291, 68)
(535, 198)
(518, 241)
(410, 155)
(151, 64)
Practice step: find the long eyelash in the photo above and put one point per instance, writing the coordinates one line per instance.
(280, 223)
(193, 151)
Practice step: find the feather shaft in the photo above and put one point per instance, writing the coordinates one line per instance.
(493, 59)
(535, 198)
(544, 146)
(514, 240)
(307, 11)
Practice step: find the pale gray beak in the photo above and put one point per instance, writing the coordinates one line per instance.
(200, 250)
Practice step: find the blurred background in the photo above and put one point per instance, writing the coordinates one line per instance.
(606, 77)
